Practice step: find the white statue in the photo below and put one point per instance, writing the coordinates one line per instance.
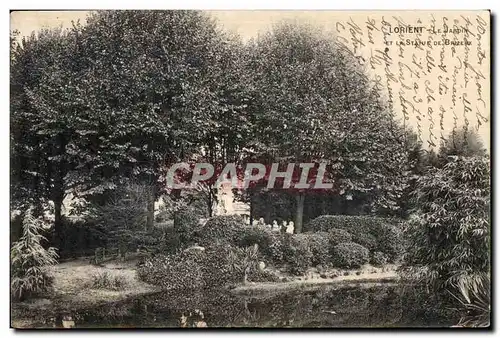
(290, 227)
(274, 225)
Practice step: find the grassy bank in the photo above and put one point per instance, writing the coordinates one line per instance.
(75, 289)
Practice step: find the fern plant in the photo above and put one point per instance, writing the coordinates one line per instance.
(29, 260)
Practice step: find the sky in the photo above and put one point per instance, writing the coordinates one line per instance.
(433, 89)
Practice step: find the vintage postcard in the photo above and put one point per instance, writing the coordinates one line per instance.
(269, 169)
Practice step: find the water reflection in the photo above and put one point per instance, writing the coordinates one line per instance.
(352, 306)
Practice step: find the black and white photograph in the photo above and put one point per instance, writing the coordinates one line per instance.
(198, 169)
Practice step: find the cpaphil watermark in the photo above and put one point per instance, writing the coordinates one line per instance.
(185, 175)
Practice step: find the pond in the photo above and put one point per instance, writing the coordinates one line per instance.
(355, 306)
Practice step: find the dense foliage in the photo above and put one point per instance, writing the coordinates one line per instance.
(374, 233)
(224, 229)
(337, 236)
(300, 78)
(115, 100)
(319, 243)
(350, 255)
(81, 237)
(297, 253)
(378, 258)
(215, 266)
(450, 231)
(259, 235)
(124, 217)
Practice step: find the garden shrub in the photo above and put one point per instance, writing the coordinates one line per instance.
(216, 266)
(251, 235)
(223, 229)
(180, 270)
(259, 276)
(275, 251)
(350, 255)
(378, 258)
(197, 269)
(296, 253)
(365, 239)
(186, 225)
(375, 233)
(337, 236)
(319, 245)
(391, 242)
(29, 259)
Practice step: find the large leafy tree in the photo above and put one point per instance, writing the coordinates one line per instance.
(120, 98)
(46, 112)
(176, 80)
(312, 103)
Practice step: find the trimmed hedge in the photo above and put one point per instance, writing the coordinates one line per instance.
(367, 240)
(391, 242)
(375, 233)
(350, 255)
(337, 236)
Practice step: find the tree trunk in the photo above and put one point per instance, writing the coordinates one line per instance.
(299, 213)
(16, 227)
(58, 233)
(251, 207)
(59, 172)
(324, 206)
(151, 209)
(210, 203)
(268, 209)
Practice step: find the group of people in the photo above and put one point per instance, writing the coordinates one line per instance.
(285, 227)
